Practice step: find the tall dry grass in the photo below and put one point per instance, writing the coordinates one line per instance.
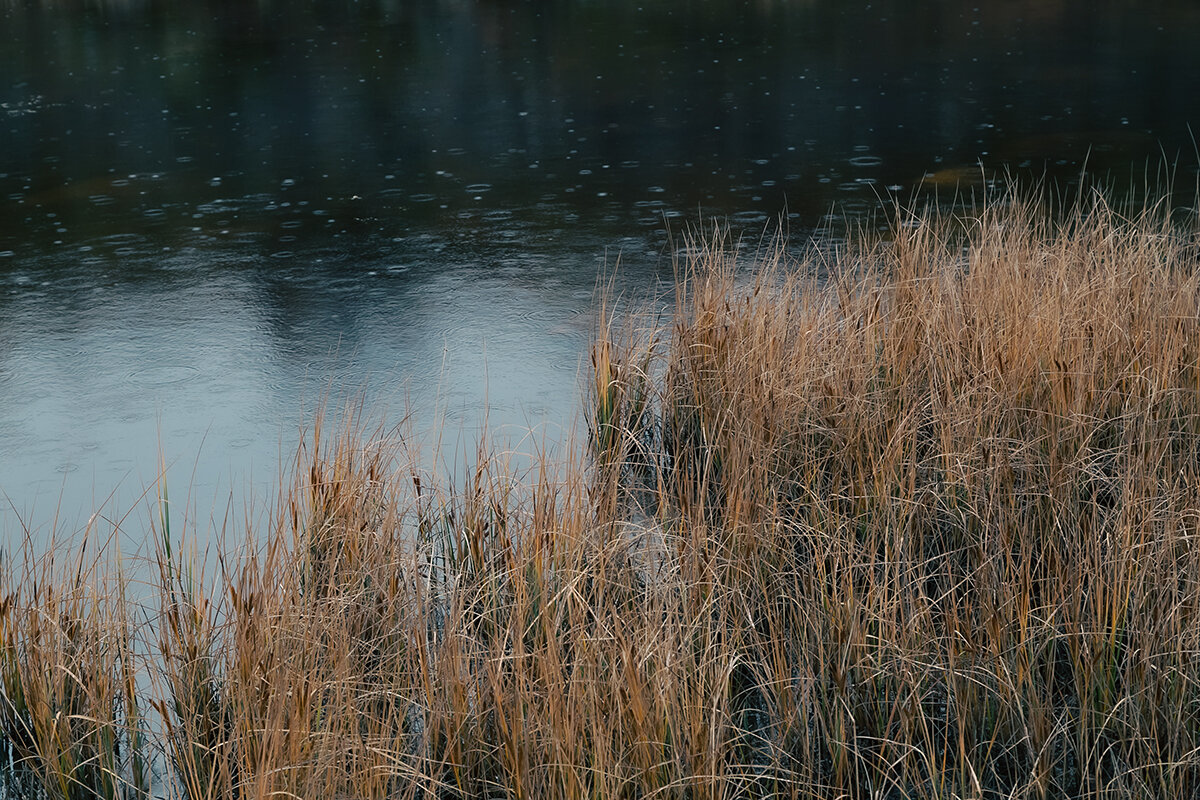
(923, 526)
(953, 490)
(71, 719)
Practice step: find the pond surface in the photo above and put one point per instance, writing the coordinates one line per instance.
(211, 213)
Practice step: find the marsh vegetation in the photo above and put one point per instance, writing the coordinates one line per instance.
(918, 520)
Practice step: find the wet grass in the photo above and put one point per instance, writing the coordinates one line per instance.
(924, 526)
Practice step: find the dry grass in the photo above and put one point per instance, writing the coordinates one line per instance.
(923, 529)
(70, 716)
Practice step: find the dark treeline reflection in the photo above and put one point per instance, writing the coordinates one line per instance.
(235, 190)
(386, 114)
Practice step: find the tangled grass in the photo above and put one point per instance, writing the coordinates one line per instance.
(922, 527)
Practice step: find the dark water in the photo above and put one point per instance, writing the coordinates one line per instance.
(212, 212)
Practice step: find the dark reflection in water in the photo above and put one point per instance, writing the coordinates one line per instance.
(214, 211)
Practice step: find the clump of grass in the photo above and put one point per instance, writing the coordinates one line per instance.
(954, 486)
(923, 526)
(191, 703)
(70, 715)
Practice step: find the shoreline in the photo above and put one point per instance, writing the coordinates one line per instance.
(925, 527)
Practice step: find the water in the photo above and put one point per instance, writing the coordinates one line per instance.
(215, 213)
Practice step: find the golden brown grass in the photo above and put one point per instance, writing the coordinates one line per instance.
(923, 528)
(70, 715)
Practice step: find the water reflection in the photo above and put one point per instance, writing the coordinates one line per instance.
(212, 210)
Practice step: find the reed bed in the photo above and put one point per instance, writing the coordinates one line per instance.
(916, 521)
